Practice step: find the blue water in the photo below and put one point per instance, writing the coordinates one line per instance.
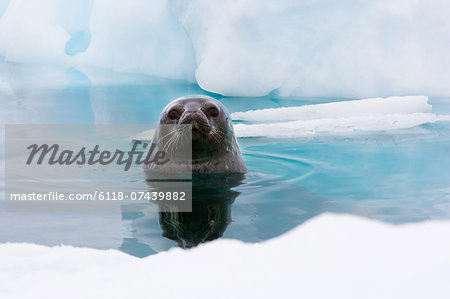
(396, 176)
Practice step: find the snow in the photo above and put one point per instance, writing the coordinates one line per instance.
(351, 49)
(329, 256)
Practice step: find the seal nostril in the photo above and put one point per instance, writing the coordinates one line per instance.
(186, 118)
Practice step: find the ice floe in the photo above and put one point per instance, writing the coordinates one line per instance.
(377, 114)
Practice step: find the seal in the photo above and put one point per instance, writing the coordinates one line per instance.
(213, 143)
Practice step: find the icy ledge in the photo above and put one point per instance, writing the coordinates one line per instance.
(376, 114)
(330, 256)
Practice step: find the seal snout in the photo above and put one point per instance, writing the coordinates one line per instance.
(197, 119)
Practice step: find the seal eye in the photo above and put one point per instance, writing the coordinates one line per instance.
(173, 114)
(213, 111)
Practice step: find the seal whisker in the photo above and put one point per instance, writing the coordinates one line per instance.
(181, 137)
(175, 144)
(173, 133)
(167, 135)
(169, 142)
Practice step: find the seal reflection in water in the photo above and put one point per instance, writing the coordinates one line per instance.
(216, 165)
(211, 211)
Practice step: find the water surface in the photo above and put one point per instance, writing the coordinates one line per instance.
(395, 176)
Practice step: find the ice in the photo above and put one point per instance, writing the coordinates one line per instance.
(139, 37)
(29, 32)
(44, 31)
(351, 49)
(376, 114)
(75, 19)
(143, 136)
(329, 256)
(332, 126)
(3, 5)
(364, 107)
(130, 36)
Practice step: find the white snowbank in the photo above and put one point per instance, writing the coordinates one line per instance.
(378, 114)
(352, 48)
(328, 257)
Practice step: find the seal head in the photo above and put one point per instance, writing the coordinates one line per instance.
(214, 145)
